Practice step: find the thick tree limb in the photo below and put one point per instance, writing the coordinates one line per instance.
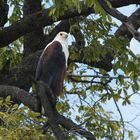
(24, 74)
(103, 64)
(21, 96)
(42, 18)
(135, 33)
(35, 40)
(121, 3)
(112, 11)
(35, 21)
(115, 13)
(64, 25)
(74, 128)
(21, 75)
(49, 111)
(134, 20)
(3, 12)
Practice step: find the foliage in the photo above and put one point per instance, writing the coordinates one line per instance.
(19, 122)
(84, 97)
(10, 55)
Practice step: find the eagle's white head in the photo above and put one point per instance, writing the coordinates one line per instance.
(62, 36)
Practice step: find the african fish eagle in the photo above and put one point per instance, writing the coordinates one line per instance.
(52, 64)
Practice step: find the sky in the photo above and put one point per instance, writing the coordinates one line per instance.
(129, 112)
(132, 111)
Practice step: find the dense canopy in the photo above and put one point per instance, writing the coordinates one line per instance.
(102, 69)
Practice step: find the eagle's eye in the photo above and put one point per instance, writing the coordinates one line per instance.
(61, 34)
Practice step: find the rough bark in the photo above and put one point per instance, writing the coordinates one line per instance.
(34, 40)
(49, 110)
(116, 14)
(3, 12)
(42, 18)
(21, 76)
(73, 127)
(134, 20)
(21, 96)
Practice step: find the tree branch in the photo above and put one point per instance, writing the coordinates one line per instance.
(112, 11)
(73, 127)
(21, 96)
(49, 111)
(133, 20)
(36, 21)
(21, 76)
(88, 81)
(35, 40)
(64, 25)
(118, 109)
(98, 76)
(121, 3)
(134, 33)
(115, 13)
(104, 62)
(3, 12)
(121, 120)
(41, 19)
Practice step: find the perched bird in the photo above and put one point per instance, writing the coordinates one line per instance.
(51, 68)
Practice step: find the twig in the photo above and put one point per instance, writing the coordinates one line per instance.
(134, 126)
(121, 117)
(98, 76)
(100, 99)
(138, 115)
(118, 111)
(112, 11)
(89, 81)
(135, 33)
(69, 125)
(124, 19)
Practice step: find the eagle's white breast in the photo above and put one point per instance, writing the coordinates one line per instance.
(65, 49)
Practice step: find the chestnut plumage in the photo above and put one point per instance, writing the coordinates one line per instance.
(52, 64)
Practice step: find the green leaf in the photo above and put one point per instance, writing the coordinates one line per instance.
(8, 99)
(116, 97)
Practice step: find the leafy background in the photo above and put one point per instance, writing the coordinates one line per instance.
(99, 99)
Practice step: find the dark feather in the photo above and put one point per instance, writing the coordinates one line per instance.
(51, 67)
